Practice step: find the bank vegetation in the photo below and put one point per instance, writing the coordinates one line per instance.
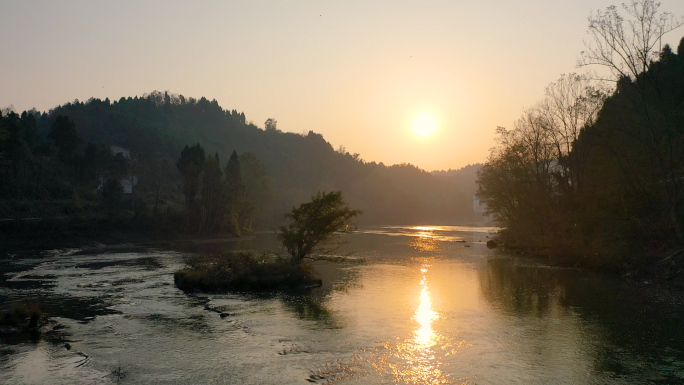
(593, 175)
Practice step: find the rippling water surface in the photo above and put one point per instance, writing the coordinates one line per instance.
(428, 305)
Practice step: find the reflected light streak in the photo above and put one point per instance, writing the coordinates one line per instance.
(417, 359)
(425, 242)
(425, 336)
(425, 238)
(421, 366)
(425, 228)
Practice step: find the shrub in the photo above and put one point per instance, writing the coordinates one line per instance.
(22, 315)
(242, 271)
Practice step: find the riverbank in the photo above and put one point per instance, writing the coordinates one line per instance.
(97, 235)
(662, 266)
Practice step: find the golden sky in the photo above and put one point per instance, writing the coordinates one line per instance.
(358, 72)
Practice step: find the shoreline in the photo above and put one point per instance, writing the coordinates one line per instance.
(653, 274)
(103, 241)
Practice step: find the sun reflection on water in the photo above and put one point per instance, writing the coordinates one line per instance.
(424, 243)
(425, 315)
(425, 228)
(419, 363)
(424, 353)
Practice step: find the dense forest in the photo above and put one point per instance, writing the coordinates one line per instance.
(133, 158)
(594, 177)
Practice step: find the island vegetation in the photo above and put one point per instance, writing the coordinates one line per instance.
(21, 318)
(312, 226)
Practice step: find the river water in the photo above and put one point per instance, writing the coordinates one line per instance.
(412, 305)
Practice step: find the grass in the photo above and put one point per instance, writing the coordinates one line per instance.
(22, 316)
(243, 272)
(119, 372)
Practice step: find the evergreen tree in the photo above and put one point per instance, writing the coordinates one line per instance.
(212, 195)
(190, 164)
(66, 140)
(236, 194)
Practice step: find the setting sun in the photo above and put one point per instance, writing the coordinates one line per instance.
(424, 125)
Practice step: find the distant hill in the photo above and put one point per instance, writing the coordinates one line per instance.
(298, 165)
(464, 178)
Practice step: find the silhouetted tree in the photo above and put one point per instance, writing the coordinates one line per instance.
(314, 223)
(271, 125)
(627, 45)
(63, 134)
(111, 196)
(190, 164)
(213, 189)
(155, 175)
(236, 193)
(257, 188)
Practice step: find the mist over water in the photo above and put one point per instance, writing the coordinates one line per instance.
(429, 305)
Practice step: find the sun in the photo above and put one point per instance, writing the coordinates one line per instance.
(424, 125)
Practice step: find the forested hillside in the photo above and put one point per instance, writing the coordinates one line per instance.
(595, 178)
(464, 178)
(157, 126)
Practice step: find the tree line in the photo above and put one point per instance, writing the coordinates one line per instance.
(52, 175)
(593, 173)
(227, 202)
(56, 178)
(156, 127)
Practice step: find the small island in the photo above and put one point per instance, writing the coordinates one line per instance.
(311, 226)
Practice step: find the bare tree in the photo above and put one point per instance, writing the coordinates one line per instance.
(569, 105)
(627, 47)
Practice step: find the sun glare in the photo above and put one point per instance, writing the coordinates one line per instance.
(424, 125)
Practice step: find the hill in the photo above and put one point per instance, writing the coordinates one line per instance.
(158, 125)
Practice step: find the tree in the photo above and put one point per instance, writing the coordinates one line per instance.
(111, 196)
(190, 164)
(516, 184)
(236, 193)
(315, 223)
(63, 133)
(257, 185)
(627, 48)
(635, 154)
(4, 136)
(531, 179)
(212, 195)
(271, 125)
(154, 176)
(630, 51)
(569, 105)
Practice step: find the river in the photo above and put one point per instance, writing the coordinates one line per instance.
(412, 305)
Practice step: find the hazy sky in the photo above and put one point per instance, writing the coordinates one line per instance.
(355, 71)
